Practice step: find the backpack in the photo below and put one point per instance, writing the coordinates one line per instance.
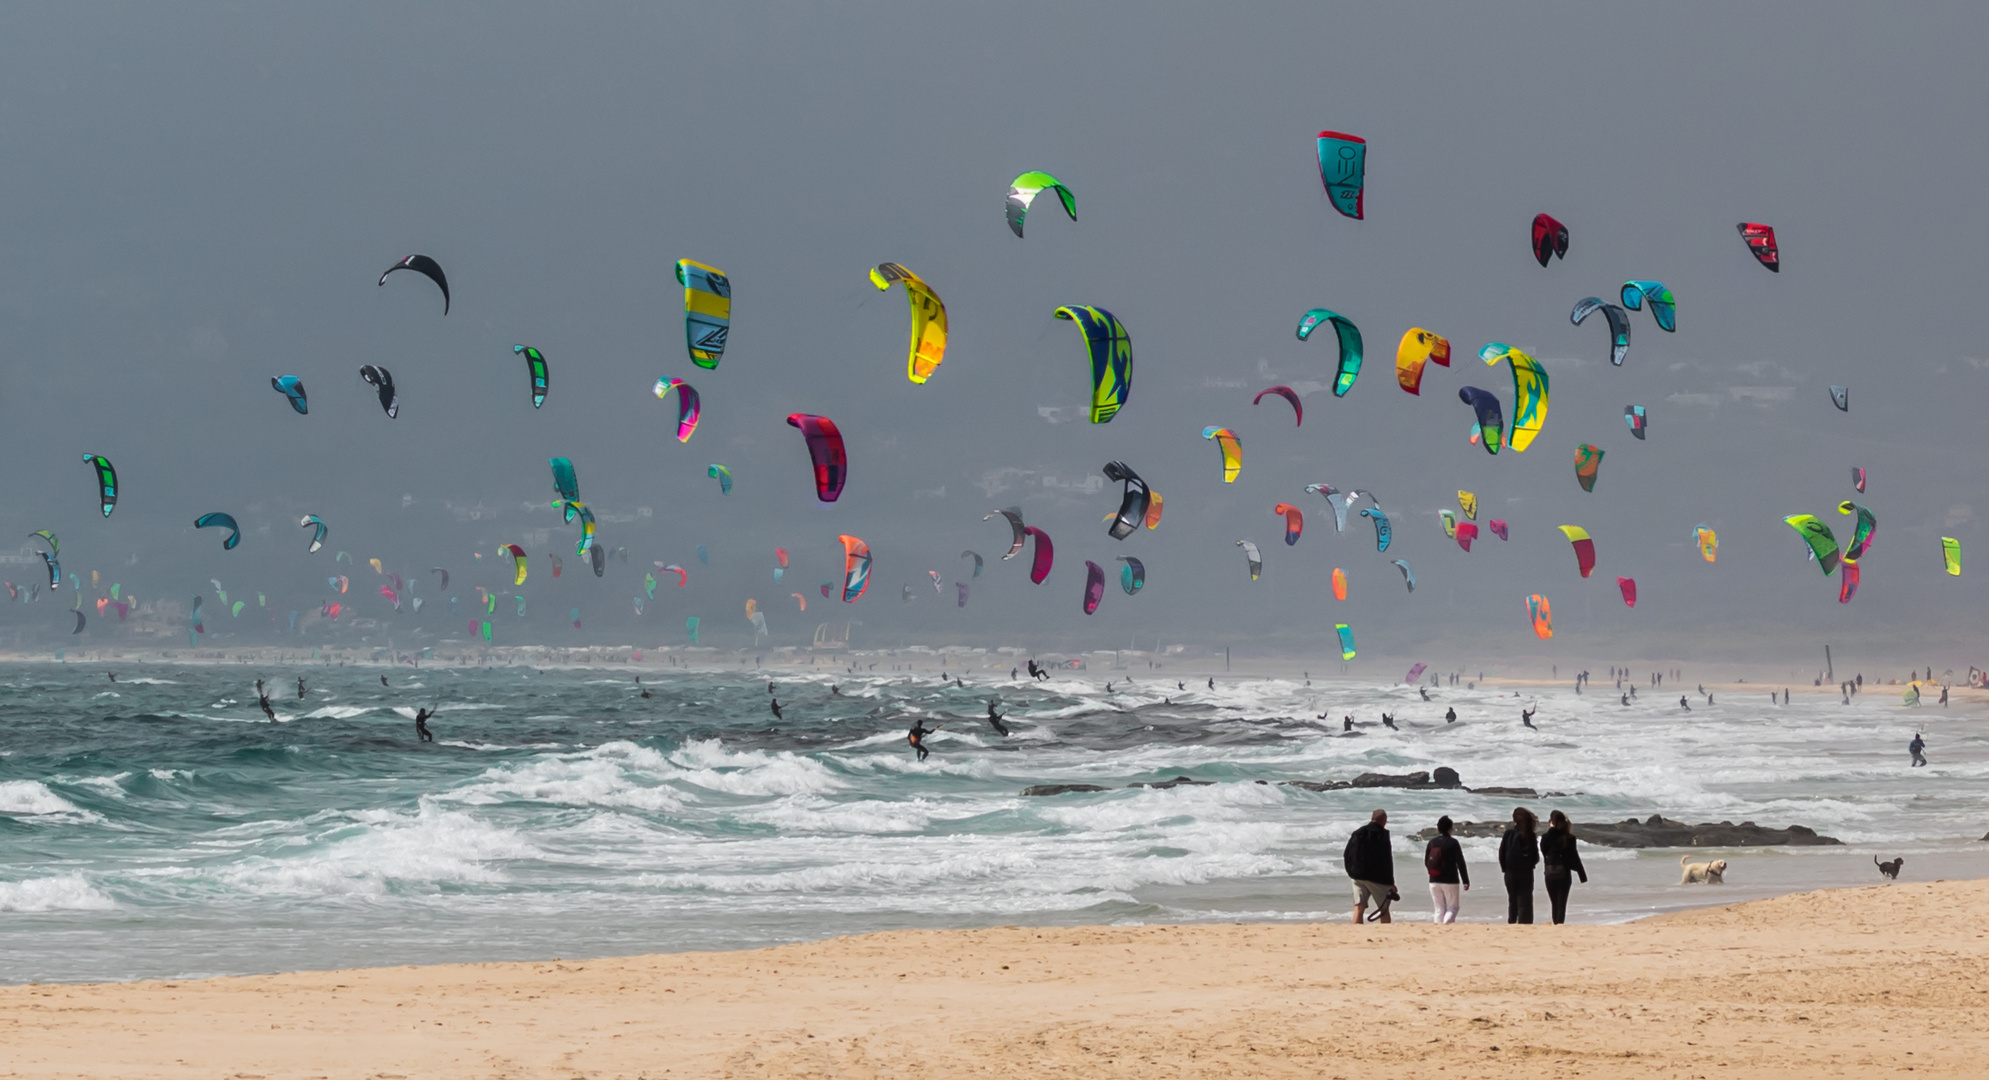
(1435, 858)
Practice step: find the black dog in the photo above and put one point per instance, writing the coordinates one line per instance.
(1889, 869)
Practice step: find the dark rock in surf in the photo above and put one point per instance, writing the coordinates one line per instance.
(1179, 781)
(1661, 832)
(1059, 789)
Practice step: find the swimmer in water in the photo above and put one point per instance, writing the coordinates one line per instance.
(1450, 716)
(994, 718)
(916, 736)
(774, 707)
(1526, 717)
(421, 718)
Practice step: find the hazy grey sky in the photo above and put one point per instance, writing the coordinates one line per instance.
(200, 198)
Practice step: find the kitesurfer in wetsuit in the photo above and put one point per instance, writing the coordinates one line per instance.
(1526, 717)
(300, 687)
(774, 707)
(994, 718)
(1684, 704)
(1388, 722)
(1423, 691)
(1450, 716)
(916, 736)
(421, 718)
(262, 698)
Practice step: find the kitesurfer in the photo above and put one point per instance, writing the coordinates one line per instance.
(300, 687)
(1917, 748)
(1684, 704)
(994, 718)
(1212, 682)
(774, 707)
(112, 674)
(262, 698)
(1424, 692)
(1526, 717)
(916, 736)
(421, 718)
(1388, 722)
(383, 680)
(1450, 716)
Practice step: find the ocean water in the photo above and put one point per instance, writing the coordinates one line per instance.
(159, 826)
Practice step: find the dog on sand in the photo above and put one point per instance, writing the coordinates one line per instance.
(1889, 869)
(1702, 873)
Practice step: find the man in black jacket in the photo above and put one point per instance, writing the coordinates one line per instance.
(1372, 867)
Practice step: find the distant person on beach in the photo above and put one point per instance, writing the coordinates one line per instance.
(1444, 859)
(1519, 853)
(1559, 859)
(916, 736)
(1526, 717)
(994, 718)
(1371, 865)
(1917, 748)
(1450, 716)
(421, 719)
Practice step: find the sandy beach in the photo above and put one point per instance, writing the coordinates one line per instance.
(1856, 982)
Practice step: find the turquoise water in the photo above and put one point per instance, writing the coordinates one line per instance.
(159, 826)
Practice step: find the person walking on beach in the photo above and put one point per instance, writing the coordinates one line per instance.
(1558, 860)
(1371, 865)
(1917, 748)
(1444, 859)
(1519, 853)
(421, 719)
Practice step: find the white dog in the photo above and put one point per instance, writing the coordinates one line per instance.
(1702, 873)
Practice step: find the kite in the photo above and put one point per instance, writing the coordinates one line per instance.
(375, 563)
(1861, 538)
(1111, 351)
(49, 557)
(1466, 533)
(1858, 479)
(599, 557)
(1584, 547)
(780, 557)
(978, 563)
(1343, 169)
(800, 599)
(683, 575)
(1633, 415)
(1449, 522)
(825, 590)
(1529, 393)
(825, 449)
(197, 626)
(648, 587)
(1339, 584)
(928, 347)
(1350, 345)
(1382, 533)
(107, 482)
(293, 388)
(484, 629)
(1663, 308)
(1469, 504)
(1153, 512)
(689, 406)
(535, 367)
(385, 590)
(1491, 424)
(1334, 500)
(1133, 504)
(1951, 555)
(422, 264)
(1044, 557)
(1550, 238)
(1761, 244)
(318, 537)
(1294, 522)
(907, 597)
(1708, 541)
(1847, 582)
(856, 567)
(1408, 575)
(1094, 586)
(934, 574)
(574, 614)
(1232, 451)
(557, 565)
(565, 481)
(1014, 517)
(79, 623)
(1619, 325)
(1256, 559)
(382, 381)
(1346, 641)
(962, 586)
(1498, 527)
(1822, 542)
(1587, 460)
(445, 577)
(721, 474)
(1538, 610)
(1628, 587)
(342, 582)
(1023, 192)
(707, 311)
(704, 555)
(1840, 396)
(1419, 347)
(223, 521)
(517, 562)
(1415, 673)
(690, 627)
(1297, 410)
(1132, 576)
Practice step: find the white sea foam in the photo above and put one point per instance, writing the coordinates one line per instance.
(33, 799)
(67, 892)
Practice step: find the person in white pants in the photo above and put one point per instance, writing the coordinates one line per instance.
(1449, 878)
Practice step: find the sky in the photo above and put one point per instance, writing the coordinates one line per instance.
(201, 198)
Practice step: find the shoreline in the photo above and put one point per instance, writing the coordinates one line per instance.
(1862, 979)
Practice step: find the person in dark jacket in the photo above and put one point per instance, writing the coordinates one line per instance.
(1519, 853)
(1372, 866)
(1444, 859)
(1559, 862)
